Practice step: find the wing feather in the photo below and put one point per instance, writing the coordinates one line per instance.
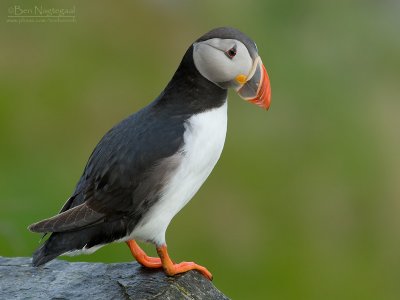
(124, 173)
(77, 217)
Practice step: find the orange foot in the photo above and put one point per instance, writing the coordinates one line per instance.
(171, 269)
(141, 256)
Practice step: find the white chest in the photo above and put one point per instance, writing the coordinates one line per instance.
(204, 139)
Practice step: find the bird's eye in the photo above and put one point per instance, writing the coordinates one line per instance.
(231, 52)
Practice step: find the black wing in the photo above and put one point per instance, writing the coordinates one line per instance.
(124, 173)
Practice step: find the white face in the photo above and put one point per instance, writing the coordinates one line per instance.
(222, 60)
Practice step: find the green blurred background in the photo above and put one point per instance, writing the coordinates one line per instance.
(305, 200)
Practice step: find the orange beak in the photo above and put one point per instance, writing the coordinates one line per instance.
(257, 88)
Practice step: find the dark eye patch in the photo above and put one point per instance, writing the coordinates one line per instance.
(231, 52)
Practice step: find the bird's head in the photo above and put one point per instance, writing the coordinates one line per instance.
(229, 59)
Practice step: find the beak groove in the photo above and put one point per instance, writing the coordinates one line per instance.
(257, 89)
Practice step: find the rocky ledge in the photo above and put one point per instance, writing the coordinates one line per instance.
(64, 280)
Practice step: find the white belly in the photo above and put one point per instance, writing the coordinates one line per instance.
(204, 139)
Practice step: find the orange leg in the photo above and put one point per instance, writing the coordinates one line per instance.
(171, 269)
(141, 256)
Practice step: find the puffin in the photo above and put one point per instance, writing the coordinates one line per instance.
(147, 168)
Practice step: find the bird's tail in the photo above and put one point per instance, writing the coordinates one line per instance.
(60, 243)
(53, 247)
(42, 256)
(87, 239)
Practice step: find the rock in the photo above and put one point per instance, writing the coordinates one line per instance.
(64, 280)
